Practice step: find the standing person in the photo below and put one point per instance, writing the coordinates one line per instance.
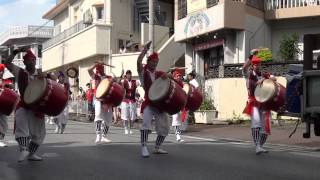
(3, 118)
(62, 118)
(176, 118)
(89, 98)
(147, 75)
(103, 112)
(259, 117)
(30, 125)
(129, 105)
(192, 80)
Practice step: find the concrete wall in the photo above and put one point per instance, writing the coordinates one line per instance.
(167, 8)
(230, 96)
(61, 20)
(257, 33)
(161, 34)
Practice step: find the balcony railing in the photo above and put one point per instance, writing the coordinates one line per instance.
(65, 34)
(283, 4)
(26, 31)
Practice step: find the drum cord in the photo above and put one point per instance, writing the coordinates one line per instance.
(295, 129)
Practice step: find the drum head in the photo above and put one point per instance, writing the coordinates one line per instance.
(186, 88)
(159, 89)
(103, 87)
(265, 92)
(35, 91)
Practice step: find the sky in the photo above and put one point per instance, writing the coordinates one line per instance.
(23, 12)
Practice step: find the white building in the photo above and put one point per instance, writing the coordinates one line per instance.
(221, 33)
(87, 31)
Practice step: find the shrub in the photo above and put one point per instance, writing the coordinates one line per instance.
(289, 46)
(207, 103)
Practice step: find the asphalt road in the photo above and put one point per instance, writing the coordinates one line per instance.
(74, 156)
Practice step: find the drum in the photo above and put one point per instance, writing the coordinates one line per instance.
(270, 94)
(194, 97)
(110, 92)
(46, 96)
(8, 101)
(167, 95)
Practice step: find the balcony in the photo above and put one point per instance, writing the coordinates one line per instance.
(213, 16)
(76, 44)
(25, 32)
(284, 9)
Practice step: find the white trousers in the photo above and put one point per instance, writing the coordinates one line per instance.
(176, 119)
(62, 118)
(128, 111)
(3, 124)
(161, 120)
(258, 118)
(29, 125)
(101, 115)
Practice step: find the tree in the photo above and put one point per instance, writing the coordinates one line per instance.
(289, 46)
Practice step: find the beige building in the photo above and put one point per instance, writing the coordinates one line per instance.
(87, 31)
(219, 35)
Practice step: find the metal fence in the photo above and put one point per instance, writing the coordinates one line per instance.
(235, 70)
(282, 4)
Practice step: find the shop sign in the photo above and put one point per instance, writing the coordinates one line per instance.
(210, 44)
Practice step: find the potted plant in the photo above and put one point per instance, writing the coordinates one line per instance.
(207, 112)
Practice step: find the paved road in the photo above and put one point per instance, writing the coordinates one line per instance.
(73, 155)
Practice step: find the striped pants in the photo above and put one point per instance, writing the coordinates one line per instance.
(144, 139)
(26, 144)
(101, 128)
(259, 138)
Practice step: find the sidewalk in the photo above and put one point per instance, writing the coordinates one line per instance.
(279, 134)
(242, 132)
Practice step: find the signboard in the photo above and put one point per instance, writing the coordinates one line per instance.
(210, 44)
(195, 5)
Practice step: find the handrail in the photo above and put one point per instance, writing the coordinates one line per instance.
(285, 4)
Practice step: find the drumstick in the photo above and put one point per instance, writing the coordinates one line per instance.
(105, 64)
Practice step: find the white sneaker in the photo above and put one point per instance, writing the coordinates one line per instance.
(2, 144)
(264, 150)
(104, 139)
(56, 130)
(23, 155)
(145, 152)
(159, 151)
(34, 157)
(259, 150)
(131, 132)
(180, 140)
(98, 139)
(126, 131)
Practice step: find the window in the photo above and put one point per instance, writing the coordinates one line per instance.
(211, 3)
(182, 9)
(100, 12)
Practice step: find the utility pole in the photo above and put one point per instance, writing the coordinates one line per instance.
(151, 26)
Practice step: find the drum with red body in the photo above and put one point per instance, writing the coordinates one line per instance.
(195, 97)
(46, 96)
(270, 95)
(167, 95)
(110, 92)
(8, 101)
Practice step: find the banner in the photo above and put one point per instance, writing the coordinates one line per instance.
(195, 5)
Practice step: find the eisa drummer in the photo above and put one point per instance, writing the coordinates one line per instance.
(103, 112)
(259, 117)
(3, 117)
(176, 118)
(30, 125)
(147, 75)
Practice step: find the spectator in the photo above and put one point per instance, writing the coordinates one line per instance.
(89, 98)
(123, 50)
